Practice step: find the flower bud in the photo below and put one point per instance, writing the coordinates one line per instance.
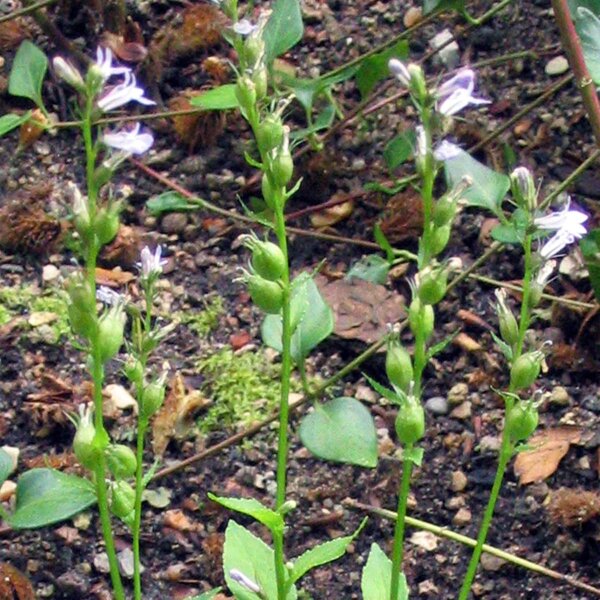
(81, 215)
(421, 318)
(432, 285)
(121, 461)
(399, 70)
(82, 307)
(267, 295)
(94, 80)
(525, 370)
(153, 397)
(110, 332)
(540, 281)
(254, 49)
(523, 188)
(67, 72)
(106, 224)
(245, 92)
(282, 166)
(260, 78)
(398, 366)
(84, 448)
(521, 421)
(444, 210)
(509, 329)
(268, 260)
(418, 87)
(133, 370)
(270, 133)
(122, 500)
(410, 421)
(439, 239)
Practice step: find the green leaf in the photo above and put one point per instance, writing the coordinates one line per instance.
(383, 242)
(46, 496)
(323, 121)
(251, 556)
(590, 248)
(219, 98)
(253, 508)
(383, 391)
(28, 72)
(591, 5)
(6, 465)
(440, 346)
(514, 231)
(316, 325)
(322, 554)
(206, 595)
(488, 189)
(342, 430)
(169, 202)
(431, 5)
(376, 577)
(504, 347)
(374, 68)
(413, 455)
(370, 268)
(399, 149)
(588, 28)
(11, 121)
(284, 29)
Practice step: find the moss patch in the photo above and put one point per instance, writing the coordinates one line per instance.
(205, 321)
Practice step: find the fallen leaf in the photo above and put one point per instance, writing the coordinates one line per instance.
(32, 129)
(548, 449)
(124, 250)
(362, 309)
(177, 519)
(117, 398)
(114, 278)
(403, 217)
(467, 343)
(14, 584)
(175, 419)
(332, 214)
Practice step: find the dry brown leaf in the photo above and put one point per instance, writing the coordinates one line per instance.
(12, 33)
(14, 585)
(176, 417)
(114, 278)
(126, 50)
(467, 343)
(177, 519)
(548, 449)
(124, 250)
(362, 309)
(403, 217)
(573, 507)
(333, 214)
(32, 129)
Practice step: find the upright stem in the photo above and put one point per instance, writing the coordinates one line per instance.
(507, 447)
(398, 550)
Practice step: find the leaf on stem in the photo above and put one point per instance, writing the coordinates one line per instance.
(376, 576)
(284, 29)
(28, 72)
(253, 508)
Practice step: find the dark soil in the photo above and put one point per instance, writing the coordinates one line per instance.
(204, 260)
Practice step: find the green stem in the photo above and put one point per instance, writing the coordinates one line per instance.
(398, 550)
(505, 456)
(137, 519)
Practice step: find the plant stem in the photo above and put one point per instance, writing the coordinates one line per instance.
(137, 519)
(505, 456)
(398, 550)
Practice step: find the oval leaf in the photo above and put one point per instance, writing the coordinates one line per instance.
(342, 431)
(219, 98)
(376, 577)
(28, 72)
(46, 496)
(253, 508)
(284, 29)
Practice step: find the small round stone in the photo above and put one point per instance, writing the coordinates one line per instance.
(437, 405)
(557, 66)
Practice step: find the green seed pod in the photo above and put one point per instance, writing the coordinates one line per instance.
(107, 224)
(82, 323)
(133, 370)
(254, 48)
(432, 286)
(525, 370)
(83, 443)
(110, 332)
(444, 210)
(398, 366)
(245, 92)
(122, 500)
(421, 318)
(282, 168)
(82, 307)
(439, 239)
(270, 133)
(509, 328)
(260, 77)
(522, 421)
(121, 461)
(267, 295)
(268, 192)
(410, 422)
(268, 260)
(153, 397)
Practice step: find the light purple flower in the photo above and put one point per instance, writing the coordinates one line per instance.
(104, 64)
(457, 93)
(132, 141)
(445, 151)
(151, 264)
(566, 219)
(67, 72)
(556, 244)
(125, 92)
(421, 141)
(244, 27)
(244, 581)
(542, 277)
(399, 70)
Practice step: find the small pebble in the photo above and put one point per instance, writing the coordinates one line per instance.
(49, 273)
(559, 396)
(438, 405)
(412, 16)
(462, 412)
(557, 66)
(173, 223)
(489, 562)
(458, 393)
(450, 53)
(462, 517)
(458, 482)
(490, 443)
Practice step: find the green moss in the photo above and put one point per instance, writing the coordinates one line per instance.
(205, 321)
(24, 300)
(244, 388)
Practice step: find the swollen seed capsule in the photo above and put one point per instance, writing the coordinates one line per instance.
(121, 461)
(521, 421)
(421, 318)
(152, 398)
(267, 295)
(410, 422)
(106, 225)
(245, 92)
(444, 210)
(398, 366)
(268, 260)
(260, 78)
(525, 370)
(432, 287)
(439, 239)
(123, 499)
(267, 192)
(282, 168)
(270, 133)
(83, 442)
(110, 332)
